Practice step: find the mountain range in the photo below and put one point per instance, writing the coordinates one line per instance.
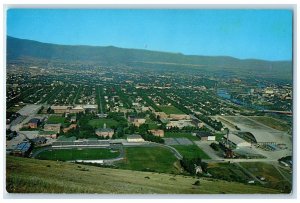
(22, 49)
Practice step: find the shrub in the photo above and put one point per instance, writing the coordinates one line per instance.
(197, 182)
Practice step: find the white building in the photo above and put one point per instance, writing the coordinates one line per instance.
(135, 138)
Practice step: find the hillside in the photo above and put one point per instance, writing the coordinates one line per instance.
(20, 49)
(36, 176)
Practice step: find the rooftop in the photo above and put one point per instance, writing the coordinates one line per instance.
(104, 130)
(203, 134)
(90, 106)
(34, 120)
(24, 146)
(134, 136)
(235, 139)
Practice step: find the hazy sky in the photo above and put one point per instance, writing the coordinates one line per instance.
(261, 34)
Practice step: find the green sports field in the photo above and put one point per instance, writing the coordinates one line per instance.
(78, 154)
(191, 151)
(156, 159)
(181, 135)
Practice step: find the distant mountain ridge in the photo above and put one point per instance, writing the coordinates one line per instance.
(110, 55)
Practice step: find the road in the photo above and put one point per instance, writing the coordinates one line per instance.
(100, 103)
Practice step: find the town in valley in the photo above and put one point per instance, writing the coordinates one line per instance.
(91, 119)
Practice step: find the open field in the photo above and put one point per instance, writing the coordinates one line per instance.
(170, 110)
(271, 122)
(98, 123)
(156, 159)
(39, 176)
(191, 151)
(181, 135)
(77, 154)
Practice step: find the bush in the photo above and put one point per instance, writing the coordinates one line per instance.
(197, 182)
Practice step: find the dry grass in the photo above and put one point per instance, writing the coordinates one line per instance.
(39, 176)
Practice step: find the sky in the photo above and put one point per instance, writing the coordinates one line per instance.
(260, 34)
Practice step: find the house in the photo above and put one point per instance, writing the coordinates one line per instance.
(135, 138)
(52, 127)
(157, 132)
(34, 123)
(104, 132)
(205, 136)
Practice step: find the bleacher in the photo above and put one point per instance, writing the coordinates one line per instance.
(81, 143)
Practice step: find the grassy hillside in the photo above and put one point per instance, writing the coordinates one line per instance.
(39, 176)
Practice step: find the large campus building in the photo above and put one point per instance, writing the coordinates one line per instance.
(104, 132)
(76, 109)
